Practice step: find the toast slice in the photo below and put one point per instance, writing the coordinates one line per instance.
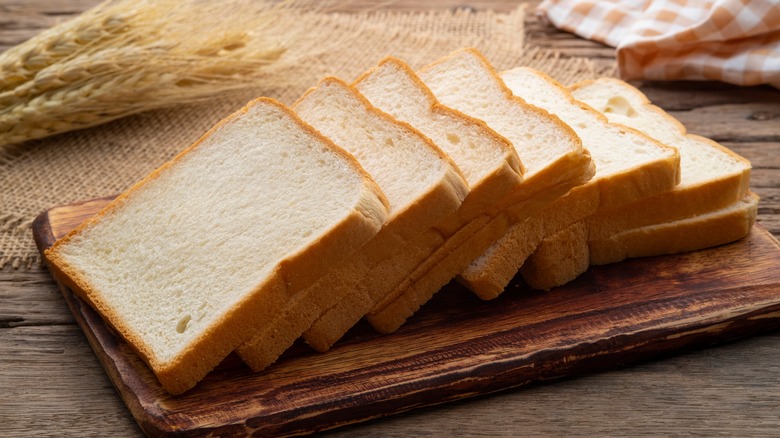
(567, 254)
(712, 177)
(488, 161)
(629, 166)
(196, 256)
(421, 182)
(552, 154)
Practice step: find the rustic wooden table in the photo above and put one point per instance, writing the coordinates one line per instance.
(52, 384)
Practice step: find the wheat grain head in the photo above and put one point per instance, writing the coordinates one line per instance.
(127, 56)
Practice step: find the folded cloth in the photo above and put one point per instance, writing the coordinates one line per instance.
(726, 40)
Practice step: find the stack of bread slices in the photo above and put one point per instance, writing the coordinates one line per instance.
(364, 199)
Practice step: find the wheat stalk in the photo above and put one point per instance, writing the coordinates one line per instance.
(127, 56)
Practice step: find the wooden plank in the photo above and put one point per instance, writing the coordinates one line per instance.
(22, 19)
(688, 95)
(457, 346)
(683, 395)
(29, 298)
(52, 384)
(769, 208)
(762, 155)
(747, 122)
(765, 177)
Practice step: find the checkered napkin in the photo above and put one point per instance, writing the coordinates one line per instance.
(726, 40)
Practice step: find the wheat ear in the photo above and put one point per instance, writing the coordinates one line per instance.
(127, 56)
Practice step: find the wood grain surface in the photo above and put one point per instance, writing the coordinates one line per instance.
(456, 346)
(51, 383)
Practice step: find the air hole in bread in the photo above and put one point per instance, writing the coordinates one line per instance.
(389, 142)
(453, 138)
(620, 105)
(181, 327)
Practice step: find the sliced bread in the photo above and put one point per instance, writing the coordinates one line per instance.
(629, 166)
(194, 258)
(488, 161)
(712, 177)
(420, 181)
(565, 255)
(552, 154)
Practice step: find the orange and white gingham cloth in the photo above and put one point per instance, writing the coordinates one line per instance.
(726, 40)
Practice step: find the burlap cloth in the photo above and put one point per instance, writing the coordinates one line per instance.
(107, 159)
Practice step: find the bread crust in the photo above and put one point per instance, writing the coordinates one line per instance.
(507, 255)
(559, 258)
(547, 268)
(482, 193)
(438, 201)
(210, 347)
(704, 231)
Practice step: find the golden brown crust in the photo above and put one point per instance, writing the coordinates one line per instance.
(580, 155)
(698, 232)
(451, 259)
(437, 107)
(457, 183)
(647, 104)
(691, 234)
(482, 193)
(559, 259)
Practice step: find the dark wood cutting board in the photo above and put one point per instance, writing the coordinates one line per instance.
(457, 346)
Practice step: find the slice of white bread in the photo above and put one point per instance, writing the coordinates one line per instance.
(552, 154)
(713, 177)
(488, 161)
(567, 254)
(420, 181)
(629, 166)
(188, 262)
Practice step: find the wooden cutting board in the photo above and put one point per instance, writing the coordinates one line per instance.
(457, 346)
